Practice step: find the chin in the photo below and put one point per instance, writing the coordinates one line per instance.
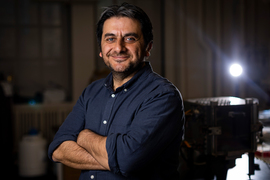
(122, 68)
(125, 67)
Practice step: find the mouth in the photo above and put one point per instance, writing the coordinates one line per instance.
(120, 59)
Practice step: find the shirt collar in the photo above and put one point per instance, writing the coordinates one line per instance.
(140, 75)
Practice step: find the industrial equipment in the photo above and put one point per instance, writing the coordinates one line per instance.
(218, 130)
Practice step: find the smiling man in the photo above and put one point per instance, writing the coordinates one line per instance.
(130, 124)
(123, 48)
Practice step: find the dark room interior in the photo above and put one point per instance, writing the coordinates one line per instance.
(49, 55)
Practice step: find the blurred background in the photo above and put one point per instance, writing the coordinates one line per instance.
(49, 54)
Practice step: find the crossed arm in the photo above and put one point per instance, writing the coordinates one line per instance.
(88, 153)
(149, 134)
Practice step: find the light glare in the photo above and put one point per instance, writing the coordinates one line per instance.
(236, 70)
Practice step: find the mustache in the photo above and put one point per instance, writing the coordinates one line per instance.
(117, 54)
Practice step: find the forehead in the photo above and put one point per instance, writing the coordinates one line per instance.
(121, 25)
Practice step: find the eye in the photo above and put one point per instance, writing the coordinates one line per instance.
(130, 39)
(110, 39)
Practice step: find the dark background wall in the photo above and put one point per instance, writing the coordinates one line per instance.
(51, 43)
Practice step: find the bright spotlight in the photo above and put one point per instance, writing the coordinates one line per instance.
(236, 70)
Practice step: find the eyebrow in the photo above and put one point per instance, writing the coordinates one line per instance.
(109, 34)
(132, 34)
(125, 35)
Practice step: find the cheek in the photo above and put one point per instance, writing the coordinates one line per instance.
(141, 49)
(136, 50)
(105, 50)
(140, 52)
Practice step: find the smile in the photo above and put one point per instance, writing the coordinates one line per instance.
(120, 58)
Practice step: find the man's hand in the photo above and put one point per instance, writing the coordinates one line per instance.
(95, 145)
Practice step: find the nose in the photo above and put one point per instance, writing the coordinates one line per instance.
(120, 46)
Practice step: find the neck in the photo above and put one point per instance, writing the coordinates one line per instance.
(121, 78)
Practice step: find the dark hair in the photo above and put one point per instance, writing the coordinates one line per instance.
(126, 10)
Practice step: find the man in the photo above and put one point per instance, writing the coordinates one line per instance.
(130, 124)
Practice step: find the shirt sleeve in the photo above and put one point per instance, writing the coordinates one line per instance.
(159, 120)
(72, 126)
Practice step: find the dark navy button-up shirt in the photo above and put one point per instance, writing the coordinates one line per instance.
(143, 121)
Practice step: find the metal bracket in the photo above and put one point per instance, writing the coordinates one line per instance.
(256, 127)
(215, 131)
(233, 114)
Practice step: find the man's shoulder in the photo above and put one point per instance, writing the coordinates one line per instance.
(96, 84)
(93, 88)
(161, 85)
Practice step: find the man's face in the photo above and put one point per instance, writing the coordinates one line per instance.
(122, 44)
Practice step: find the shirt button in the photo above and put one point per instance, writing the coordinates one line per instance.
(92, 176)
(104, 122)
(113, 95)
(125, 90)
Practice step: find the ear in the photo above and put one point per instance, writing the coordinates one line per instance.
(148, 48)
(100, 54)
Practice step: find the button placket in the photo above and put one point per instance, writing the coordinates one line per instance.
(107, 112)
